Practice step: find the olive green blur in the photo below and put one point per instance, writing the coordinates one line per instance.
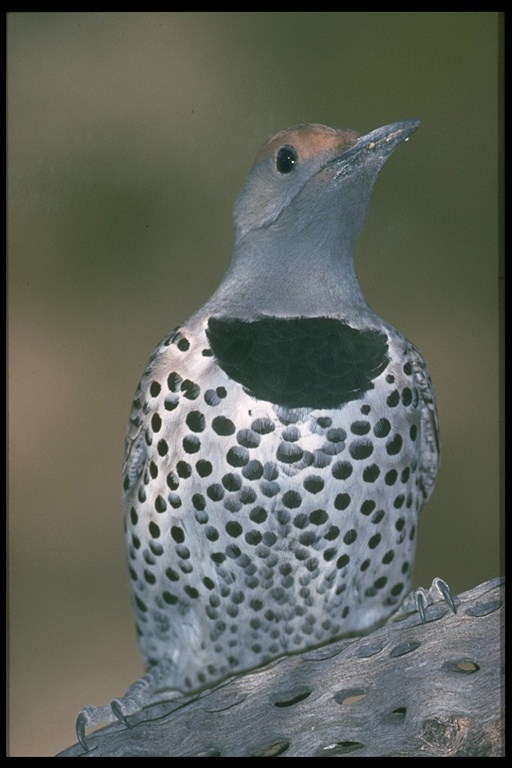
(129, 137)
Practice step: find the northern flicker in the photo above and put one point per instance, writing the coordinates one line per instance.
(282, 441)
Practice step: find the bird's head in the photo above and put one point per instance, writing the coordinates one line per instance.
(302, 168)
(297, 218)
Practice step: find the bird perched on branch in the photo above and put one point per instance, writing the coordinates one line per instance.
(282, 441)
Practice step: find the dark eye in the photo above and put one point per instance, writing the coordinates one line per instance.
(286, 159)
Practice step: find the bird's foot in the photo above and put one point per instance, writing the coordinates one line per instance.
(140, 694)
(421, 598)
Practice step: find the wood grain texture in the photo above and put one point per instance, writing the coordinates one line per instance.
(406, 690)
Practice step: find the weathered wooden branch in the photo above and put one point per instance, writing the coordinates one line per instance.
(407, 690)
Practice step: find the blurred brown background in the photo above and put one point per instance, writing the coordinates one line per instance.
(129, 137)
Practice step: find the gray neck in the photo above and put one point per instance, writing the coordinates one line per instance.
(301, 262)
(282, 277)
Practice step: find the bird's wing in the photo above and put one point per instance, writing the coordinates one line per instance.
(430, 447)
(136, 447)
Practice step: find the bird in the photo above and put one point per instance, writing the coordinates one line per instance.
(282, 441)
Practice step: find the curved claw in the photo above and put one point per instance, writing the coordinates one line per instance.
(141, 693)
(90, 717)
(81, 723)
(118, 712)
(438, 590)
(446, 592)
(421, 603)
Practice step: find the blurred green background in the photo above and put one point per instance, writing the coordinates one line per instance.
(129, 137)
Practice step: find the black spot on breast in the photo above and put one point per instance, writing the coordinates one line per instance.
(211, 533)
(191, 444)
(292, 499)
(253, 470)
(177, 534)
(315, 362)
(195, 421)
(247, 495)
(314, 484)
(211, 397)
(204, 468)
(394, 445)
(318, 517)
(371, 473)
(140, 605)
(172, 575)
(360, 427)
(248, 438)
(269, 489)
(198, 501)
(367, 507)
(173, 381)
(234, 529)
(162, 447)
(393, 399)
(223, 426)
(361, 449)
(237, 456)
(332, 533)
(215, 492)
(341, 470)
(190, 389)
(391, 477)
(301, 521)
(232, 482)
(263, 426)
(258, 515)
(291, 434)
(253, 537)
(289, 453)
(169, 598)
(342, 501)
